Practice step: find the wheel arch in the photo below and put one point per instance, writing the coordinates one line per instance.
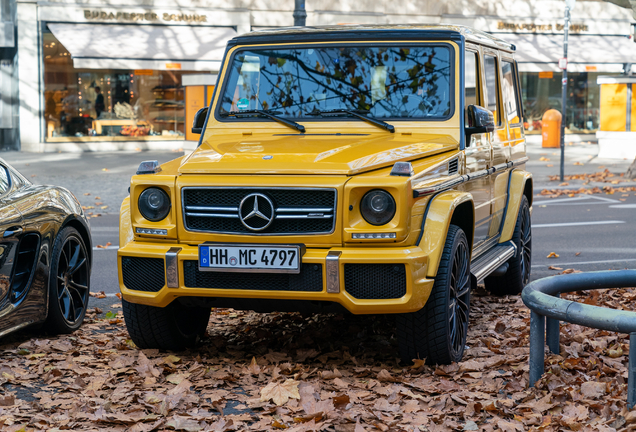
(84, 231)
(521, 184)
(444, 209)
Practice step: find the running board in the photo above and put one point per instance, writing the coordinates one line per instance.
(490, 261)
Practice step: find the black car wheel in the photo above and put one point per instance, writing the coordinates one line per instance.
(518, 274)
(69, 282)
(174, 327)
(437, 332)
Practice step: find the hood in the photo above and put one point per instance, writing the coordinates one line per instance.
(344, 154)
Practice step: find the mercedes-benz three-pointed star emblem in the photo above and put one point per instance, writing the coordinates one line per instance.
(256, 212)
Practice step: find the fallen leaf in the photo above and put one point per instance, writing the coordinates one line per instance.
(280, 393)
(552, 255)
(593, 389)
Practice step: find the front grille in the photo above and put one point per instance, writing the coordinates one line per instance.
(143, 274)
(309, 279)
(375, 281)
(296, 211)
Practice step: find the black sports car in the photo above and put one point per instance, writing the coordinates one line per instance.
(45, 256)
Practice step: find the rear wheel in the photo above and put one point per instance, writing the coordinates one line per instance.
(174, 327)
(437, 332)
(518, 274)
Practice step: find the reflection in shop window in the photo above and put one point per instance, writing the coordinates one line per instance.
(109, 105)
(541, 91)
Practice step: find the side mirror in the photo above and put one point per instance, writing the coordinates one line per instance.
(480, 120)
(199, 120)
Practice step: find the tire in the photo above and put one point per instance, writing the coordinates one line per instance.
(518, 274)
(69, 283)
(437, 332)
(174, 327)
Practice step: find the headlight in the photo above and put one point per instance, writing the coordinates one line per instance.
(377, 207)
(154, 204)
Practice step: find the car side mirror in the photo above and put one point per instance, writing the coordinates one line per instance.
(480, 120)
(199, 120)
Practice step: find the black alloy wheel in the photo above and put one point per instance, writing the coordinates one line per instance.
(525, 242)
(69, 282)
(438, 331)
(459, 298)
(518, 274)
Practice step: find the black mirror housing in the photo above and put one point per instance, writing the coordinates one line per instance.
(480, 120)
(199, 120)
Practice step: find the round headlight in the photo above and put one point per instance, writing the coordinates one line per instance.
(154, 204)
(377, 207)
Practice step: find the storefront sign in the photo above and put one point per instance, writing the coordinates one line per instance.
(97, 15)
(546, 74)
(539, 28)
(173, 66)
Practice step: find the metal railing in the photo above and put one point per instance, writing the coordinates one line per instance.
(548, 309)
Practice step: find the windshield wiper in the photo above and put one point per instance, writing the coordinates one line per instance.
(376, 122)
(264, 113)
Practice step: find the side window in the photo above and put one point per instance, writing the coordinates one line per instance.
(4, 180)
(509, 90)
(491, 86)
(471, 78)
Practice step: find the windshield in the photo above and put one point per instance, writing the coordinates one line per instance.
(393, 82)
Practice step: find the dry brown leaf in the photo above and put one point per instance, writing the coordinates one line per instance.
(593, 389)
(553, 255)
(280, 393)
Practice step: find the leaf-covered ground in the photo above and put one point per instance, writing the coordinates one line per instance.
(323, 372)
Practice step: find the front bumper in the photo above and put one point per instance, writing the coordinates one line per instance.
(179, 258)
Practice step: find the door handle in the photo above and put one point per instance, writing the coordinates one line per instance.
(13, 231)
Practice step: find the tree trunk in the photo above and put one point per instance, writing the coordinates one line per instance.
(631, 171)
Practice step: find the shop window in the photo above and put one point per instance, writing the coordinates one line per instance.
(491, 87)
(471, 74)
(509, 91)
(541, 91)
(107, 104)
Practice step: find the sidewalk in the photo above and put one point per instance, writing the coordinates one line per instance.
(580, 158)
(107, 175)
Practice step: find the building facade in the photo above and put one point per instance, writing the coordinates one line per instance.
(107, 75)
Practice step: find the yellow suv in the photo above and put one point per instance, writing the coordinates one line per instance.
(369, 169)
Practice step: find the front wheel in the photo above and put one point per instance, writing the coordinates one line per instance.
(174, 327)
(69, 282)
(437, 332)
(518, 274)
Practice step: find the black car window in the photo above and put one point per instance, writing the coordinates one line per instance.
(5, 181)
(492, 79)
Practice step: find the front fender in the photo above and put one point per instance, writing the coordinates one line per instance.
(125, 223)
(518, 183)
(437, 219)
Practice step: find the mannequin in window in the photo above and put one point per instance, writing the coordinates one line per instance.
(99, 102)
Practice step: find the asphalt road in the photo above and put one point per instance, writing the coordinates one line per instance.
(598, 227)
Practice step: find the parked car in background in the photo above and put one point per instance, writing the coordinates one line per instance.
(368, 169)
(45, 256)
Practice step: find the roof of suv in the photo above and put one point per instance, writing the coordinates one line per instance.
(365, 31)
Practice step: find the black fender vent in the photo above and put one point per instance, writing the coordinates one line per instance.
(143, 274)
(453, 166)
(375, 281)
(24, 265)
(309, 279)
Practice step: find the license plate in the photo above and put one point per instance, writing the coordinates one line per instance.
(249, 258)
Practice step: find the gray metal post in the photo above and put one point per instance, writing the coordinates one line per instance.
(631, 370)
(564, 88)
(537, 346)
(300, 14)
(552, 336)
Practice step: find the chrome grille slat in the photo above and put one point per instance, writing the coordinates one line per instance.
(307, 211)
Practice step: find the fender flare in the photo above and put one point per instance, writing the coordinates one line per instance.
(520, 184)
(436, 221)
(125, 223)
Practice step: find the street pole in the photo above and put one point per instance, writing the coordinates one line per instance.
(300, 15)
(564, 87)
